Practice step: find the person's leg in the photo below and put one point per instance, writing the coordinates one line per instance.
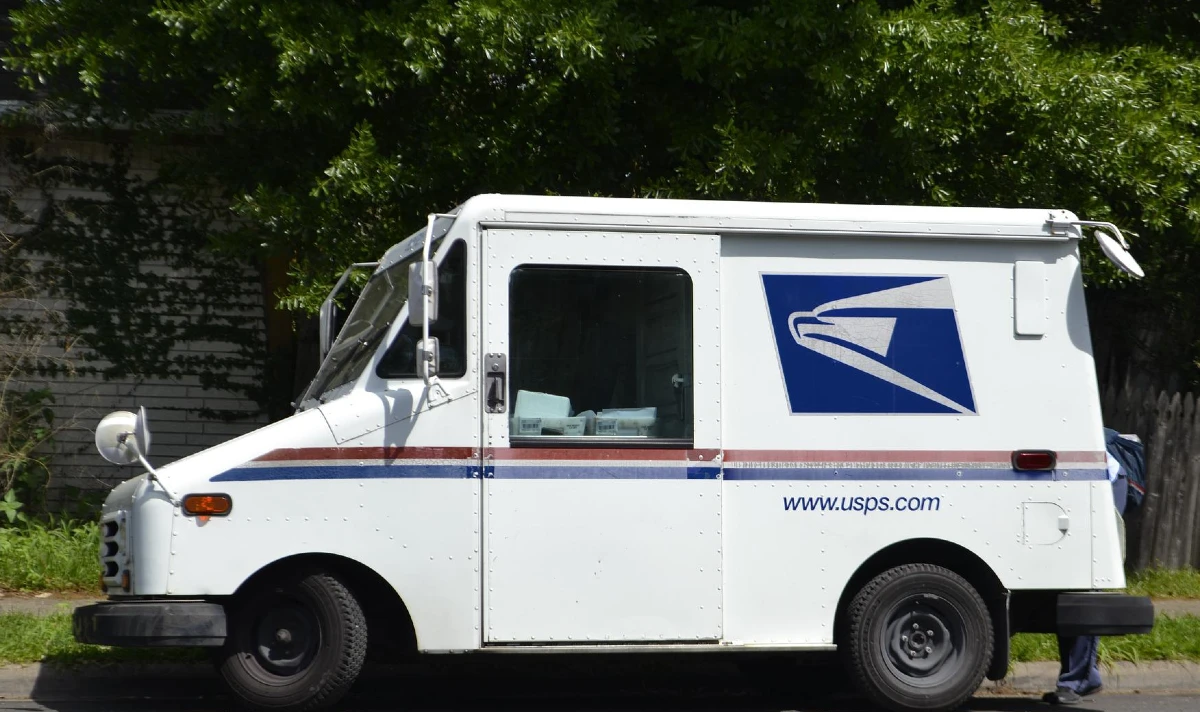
(1094, 682)
(1079, 672)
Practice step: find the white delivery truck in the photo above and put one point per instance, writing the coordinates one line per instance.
(592, 425)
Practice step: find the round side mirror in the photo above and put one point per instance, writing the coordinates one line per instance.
(1118, 254)
(114, 437)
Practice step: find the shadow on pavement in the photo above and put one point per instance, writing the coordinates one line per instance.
(660, 682)
(527, 683)
(494, 682)
(1028, 704)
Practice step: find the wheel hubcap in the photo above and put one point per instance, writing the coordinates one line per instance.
(286, 638)
(923, 640)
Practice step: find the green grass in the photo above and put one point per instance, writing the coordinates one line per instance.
(1166, 583)
(1031, 647)
(1171, 639)
(60, 556)
(28, 638)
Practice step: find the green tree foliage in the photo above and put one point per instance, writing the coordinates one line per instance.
(335, 126)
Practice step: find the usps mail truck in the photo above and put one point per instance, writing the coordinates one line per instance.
(582, 425)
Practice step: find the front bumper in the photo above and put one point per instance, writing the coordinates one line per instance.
(151, 623)
(1103, 614)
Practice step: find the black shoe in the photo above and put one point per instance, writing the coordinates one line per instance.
(1063, 696)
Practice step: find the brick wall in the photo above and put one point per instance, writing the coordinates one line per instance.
(176, 405)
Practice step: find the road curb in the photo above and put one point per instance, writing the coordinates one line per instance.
(1154, 676)
(191, 680)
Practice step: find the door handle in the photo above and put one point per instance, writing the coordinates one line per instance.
(495, 386)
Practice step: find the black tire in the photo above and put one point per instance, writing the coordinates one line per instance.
(294, 645)
(935, 666)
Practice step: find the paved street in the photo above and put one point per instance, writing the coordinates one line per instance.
(1106, 703)
(600, 683)
(524, 684)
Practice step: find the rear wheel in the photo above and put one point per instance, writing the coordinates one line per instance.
(294, 645)
(920, 638)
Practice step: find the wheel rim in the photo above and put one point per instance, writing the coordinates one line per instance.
(286, 637)
(922, 640)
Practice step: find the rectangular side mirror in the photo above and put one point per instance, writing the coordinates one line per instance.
(427, 358)
(422, 292)
(326, 326)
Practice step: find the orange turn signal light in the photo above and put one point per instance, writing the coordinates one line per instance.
(208, 505)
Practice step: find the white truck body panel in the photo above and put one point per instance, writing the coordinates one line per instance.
(859, 376)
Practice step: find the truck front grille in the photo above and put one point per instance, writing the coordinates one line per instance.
(114, 548)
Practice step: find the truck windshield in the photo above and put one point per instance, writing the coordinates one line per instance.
(376, 309)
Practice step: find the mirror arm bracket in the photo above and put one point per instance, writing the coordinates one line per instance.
(426, 297)
(1058, 226)
(437, 392)
(131, 442)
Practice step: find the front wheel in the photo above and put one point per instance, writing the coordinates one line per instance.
(920, 638)
(294, 645)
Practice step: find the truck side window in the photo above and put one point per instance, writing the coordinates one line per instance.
(400, 361)
(600, 352)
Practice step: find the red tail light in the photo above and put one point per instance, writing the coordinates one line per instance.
(1034, 460)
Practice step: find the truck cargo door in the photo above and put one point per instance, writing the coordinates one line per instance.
(601, 492)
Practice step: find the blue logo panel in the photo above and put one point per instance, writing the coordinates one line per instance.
(868, 344)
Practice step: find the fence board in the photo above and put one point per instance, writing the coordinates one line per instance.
(1178, 494)
(1164, 435)
(1183, 457)
(1165, 531)
(1156, 505)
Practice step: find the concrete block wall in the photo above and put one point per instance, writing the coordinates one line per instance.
(175, 405)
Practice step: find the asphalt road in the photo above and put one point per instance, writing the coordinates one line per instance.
(1103, 703)
(563, 684)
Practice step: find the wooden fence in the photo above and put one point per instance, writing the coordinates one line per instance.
(1165, 531)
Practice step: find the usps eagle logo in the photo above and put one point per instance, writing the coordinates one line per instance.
(868, 344)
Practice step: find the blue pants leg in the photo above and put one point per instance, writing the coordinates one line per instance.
(1080, 669)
